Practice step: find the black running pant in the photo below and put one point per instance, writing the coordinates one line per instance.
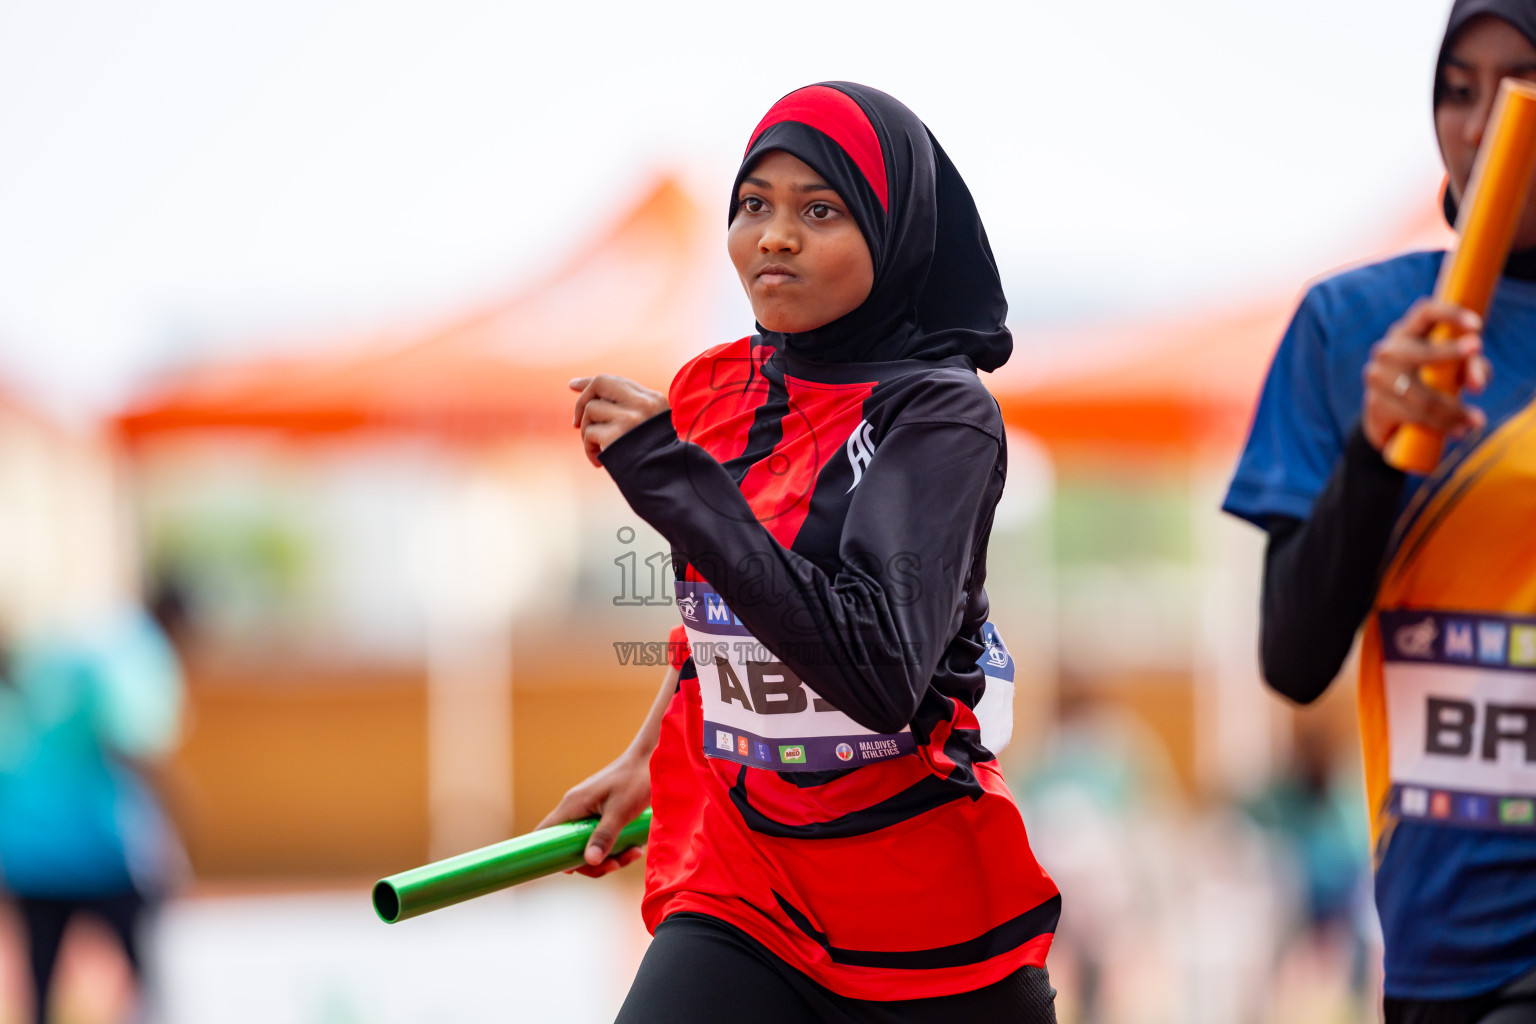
(700, 970)
(46, 920)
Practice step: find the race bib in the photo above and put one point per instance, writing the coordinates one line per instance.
(994, 712)
(1461, 709)
(758, 712)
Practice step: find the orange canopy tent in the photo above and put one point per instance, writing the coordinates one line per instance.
(634, 301)
(16, 410)
(1178, 384)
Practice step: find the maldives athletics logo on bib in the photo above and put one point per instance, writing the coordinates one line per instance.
(844, 752)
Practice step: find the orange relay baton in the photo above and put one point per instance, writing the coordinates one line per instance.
(1486, 226)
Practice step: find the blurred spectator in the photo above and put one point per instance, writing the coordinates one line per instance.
(1315, 812)
(1174, 907)
(1096, 798)
(84, 714)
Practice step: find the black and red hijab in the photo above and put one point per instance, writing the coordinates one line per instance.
(936, 291)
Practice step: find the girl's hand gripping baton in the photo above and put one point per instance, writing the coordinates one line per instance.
(521, 859)
(1486, 225)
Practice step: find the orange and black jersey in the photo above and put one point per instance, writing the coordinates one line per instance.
(842, 512)
(1429, 565)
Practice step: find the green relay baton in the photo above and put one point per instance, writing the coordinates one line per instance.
(520, 859)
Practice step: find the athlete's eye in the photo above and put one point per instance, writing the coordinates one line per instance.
(752, 204)
(1457, 92)
(821, 211)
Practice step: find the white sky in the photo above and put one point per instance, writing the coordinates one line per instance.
(178, 176)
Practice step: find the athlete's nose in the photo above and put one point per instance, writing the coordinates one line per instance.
(1477, 123)
(779, 236)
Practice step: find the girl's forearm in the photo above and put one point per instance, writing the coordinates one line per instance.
(1320, 574)
(650, 730)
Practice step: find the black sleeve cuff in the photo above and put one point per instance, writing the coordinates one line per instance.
(630, 448)
(1361, 458)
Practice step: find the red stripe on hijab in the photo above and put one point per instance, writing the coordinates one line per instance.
(837, 116)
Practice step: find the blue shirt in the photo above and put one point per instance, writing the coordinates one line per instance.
(75, 821)
(1457, 905)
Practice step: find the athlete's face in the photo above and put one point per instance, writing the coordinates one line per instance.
(1487, 50)
(801, 256)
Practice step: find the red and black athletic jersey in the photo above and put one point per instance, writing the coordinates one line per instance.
(842, 511)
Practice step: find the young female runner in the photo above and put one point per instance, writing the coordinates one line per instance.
(1442, 571)
(832, 841)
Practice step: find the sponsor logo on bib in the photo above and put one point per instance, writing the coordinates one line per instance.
(1417, 640)
(716, 612)
(792, 755)
(1522, 645)
(723, 740)
(844, 752)
(1492, 642)
(1458, 640)
(1517, 812)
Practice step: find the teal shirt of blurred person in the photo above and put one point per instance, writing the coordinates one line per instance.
(80, 710)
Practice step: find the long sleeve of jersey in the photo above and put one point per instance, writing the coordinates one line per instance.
(869, 636)
(1321, 573)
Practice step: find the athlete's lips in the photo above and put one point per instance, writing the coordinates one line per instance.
(775, 273)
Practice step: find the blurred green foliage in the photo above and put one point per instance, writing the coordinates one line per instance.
(1123, 518)
(246, 570)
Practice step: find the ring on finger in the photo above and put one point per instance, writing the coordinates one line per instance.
(1402, 384)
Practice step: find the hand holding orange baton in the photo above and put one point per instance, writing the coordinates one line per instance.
(1486, 225)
